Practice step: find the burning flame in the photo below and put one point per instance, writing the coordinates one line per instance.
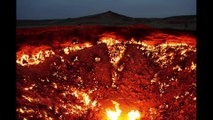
(73, 48)
(193, 66)
(110, 39)
(35, 58)
(115, 47)
(114, 115)
(38, 57)
(84, 97)
(134, 115)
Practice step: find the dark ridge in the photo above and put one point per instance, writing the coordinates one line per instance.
(105, 15)
(181, 17)
(109, 18)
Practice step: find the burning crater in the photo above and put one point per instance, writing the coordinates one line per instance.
(105, 73)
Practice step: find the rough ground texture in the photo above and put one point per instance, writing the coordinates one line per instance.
(148, 70)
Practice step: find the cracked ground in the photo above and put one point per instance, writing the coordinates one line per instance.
(88, 72)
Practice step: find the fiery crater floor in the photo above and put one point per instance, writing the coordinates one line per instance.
(114, 76)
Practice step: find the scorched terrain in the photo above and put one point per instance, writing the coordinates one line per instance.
(105, 73)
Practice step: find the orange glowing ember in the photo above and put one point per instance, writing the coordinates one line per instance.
(114, 115)
(74, 74)
(114, 45)
(84, 98)
(72, 47)
(134, 115)
(35, 58)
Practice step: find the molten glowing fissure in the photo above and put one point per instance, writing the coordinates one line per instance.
(73, 48)
(34, 59)
(86, 100)
(116, 46)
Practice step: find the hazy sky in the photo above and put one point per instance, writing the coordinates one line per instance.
(48, 9)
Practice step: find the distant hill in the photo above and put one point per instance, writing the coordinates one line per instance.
(108, 15)
(109, 18)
